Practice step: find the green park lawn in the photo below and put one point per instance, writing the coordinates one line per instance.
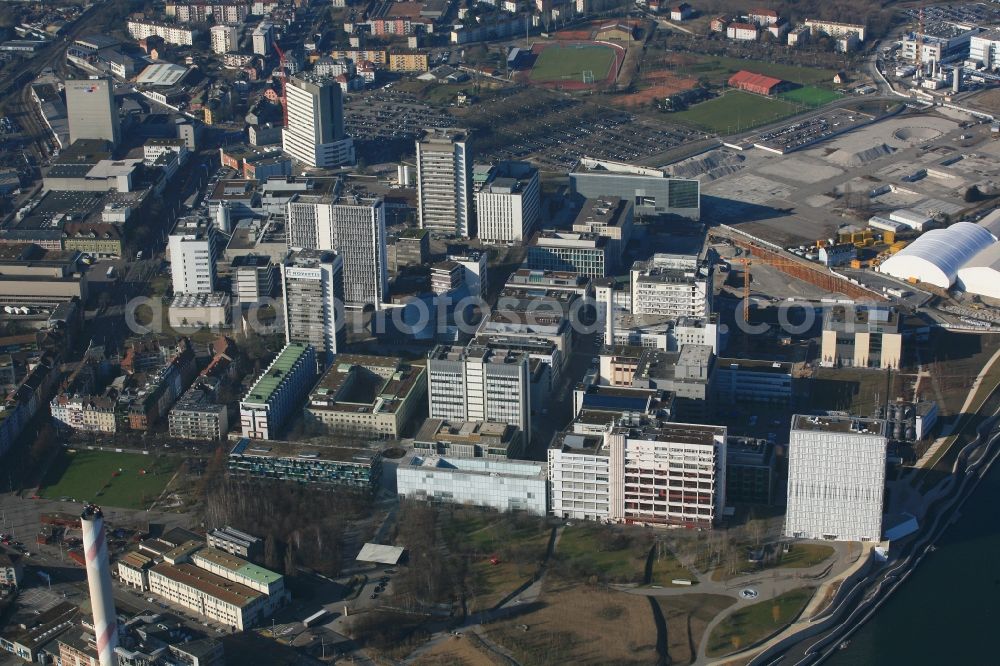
(811, 96)
(755, 622)
(91, 476)
(719, 68)
(559, 63)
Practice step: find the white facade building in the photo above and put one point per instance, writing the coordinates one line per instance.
(985, 49)
(262, 38)
(354, 227)
(171, 34)
(936, 256)
(444, 182)
(508, 205)
(579, 469)
(192, 258)
(504, 485)
(672, 285)
(315, 132)
(836, 478)
(480, 383)
(312, 283)
(225, 39)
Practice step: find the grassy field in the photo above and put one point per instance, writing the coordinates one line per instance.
(558, 63)
(805, 555)
(580, 624)
(811, 96)
(126, 480)
(666, 567)
(480, 535)
(457, 651)
(757, 621)
(687, 617)
(592, 550)
(719, 68)
(736, 111)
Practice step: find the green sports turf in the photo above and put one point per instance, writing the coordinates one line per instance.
(89, 476)
(719, 68)
(567, 63)
(737, 111)
(811, 96)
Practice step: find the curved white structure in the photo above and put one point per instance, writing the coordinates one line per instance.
(102, 598)
(981, 275)
(936, 257)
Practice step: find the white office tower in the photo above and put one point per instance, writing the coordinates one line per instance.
(102, 597)
(836, 478)
(262, 38)
(672, 285)
(444, 181)
(480, 383)
(225, 39)
(191, 248)
(507, 205)
(92, 111)
(312, 283)
(353, 226)
(315, 131)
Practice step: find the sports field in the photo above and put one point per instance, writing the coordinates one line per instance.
(737, 111)
(811, 96)
(558, 62)
(718, 69)
(126, 480)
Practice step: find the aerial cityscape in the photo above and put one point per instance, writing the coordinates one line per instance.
(499, 332)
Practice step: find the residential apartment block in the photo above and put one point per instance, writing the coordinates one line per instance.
(444, 182)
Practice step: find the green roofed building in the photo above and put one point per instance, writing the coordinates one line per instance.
(279, 391)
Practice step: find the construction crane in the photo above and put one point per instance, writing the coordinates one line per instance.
(284, 80)
(746, 262)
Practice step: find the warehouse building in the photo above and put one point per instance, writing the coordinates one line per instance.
(756, 83)
(936, 256)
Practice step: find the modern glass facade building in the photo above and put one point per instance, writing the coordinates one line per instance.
(650, 190)
(502, 485)
(322, 465)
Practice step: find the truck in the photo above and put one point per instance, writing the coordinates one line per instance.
(111, 272)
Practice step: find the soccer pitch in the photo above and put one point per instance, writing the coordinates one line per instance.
(737, 111)
(125, 480)
(568, 63)
(811, 96)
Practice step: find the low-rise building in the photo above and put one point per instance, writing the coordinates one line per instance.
(330, 466)
(197, 415)
(745, 380)
(468, 439)
(236, 542)
(366, 395)
(503, 485)
(208, 594)
(861, 336)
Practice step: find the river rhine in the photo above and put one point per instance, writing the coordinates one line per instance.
(948, 610)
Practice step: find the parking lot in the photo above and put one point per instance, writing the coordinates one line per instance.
(800, 134)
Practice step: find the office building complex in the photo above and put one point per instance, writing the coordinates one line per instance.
(262, 38)
(985, 49)
(315, 132)
(468, 439)
(649, 190)
(672, 285)
(192, 250)
(210, 595)
(253, 278)
(756, 381)
(92, 111)
(502, 485)
(313, 288)
(861, 336)
(278, 392)
(354, 226)
(836, 478)
(508, 203)
(666, 473)
(235, 542)
(480, 383)
(579, 472)
(331, 466)
(366, 395)
(569, 251)
(444, 182)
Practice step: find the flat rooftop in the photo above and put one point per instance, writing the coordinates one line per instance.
(354, 383)
(838, 424)
(481, 466)
(209, 583)
(578, 443)
(304, 451)
(680, 433)
(442, 430)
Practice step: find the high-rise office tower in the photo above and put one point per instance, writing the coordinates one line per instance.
(480, 383)
(93, 114)
(315, 131)
(444, 181)
(836, 478)
(192, 257)
(507, 204)
(354, 226)
(312, 282)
